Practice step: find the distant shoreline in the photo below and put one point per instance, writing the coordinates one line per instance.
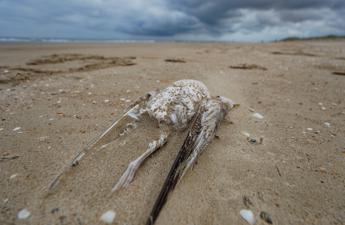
(66, 40)
(327, 37)
(124, 41)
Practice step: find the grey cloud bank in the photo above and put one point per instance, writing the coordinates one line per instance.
(218, 20)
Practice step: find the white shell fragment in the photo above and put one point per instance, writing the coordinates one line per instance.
(23, 214)
(327, 124)
(43, 138)
(246, 134)
(108, 217)
(13, 176)
(258, 116)
(248, 216)
(17, 129)
(309, 129)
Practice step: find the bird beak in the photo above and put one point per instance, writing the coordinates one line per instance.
(230, 103)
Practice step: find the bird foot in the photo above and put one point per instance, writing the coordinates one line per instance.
(127, 176)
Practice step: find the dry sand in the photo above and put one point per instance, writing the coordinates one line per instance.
(58, 95)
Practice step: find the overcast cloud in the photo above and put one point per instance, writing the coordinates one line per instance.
(222, 20)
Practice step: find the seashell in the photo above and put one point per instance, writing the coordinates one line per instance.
(108, 217)
(23, 214)
(258, 116)
(17, 129)
(327, 124)
(245, 134)
(248, 216)
(13, 176)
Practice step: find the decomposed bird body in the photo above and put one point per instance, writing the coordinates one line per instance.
(178, 103)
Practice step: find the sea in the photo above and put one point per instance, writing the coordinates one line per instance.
(70, 40)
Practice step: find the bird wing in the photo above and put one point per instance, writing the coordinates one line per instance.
(201, 133)
(116, 129)
(122, 125)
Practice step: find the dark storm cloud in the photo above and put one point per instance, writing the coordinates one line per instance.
(267, 19)
(211, 12)
(175, 19)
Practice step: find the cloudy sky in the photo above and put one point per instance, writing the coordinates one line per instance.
(219, 20)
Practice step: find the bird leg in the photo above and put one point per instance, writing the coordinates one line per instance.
(133, 166)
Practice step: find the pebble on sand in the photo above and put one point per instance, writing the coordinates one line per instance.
(266, 217)
(23, 214)
(248, 216)
(108, 217)
(258, 116)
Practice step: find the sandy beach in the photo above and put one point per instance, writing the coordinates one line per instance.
(55, 98)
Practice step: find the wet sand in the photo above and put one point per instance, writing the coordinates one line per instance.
(61, 96)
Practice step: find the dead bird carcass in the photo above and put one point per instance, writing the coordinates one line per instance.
(186, 104)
